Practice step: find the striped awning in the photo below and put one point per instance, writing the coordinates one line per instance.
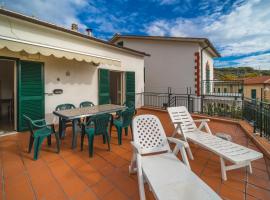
(45, 50)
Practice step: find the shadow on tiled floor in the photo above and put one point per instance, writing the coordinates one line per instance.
(73, 175)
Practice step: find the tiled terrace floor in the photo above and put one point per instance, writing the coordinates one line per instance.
(73, 175)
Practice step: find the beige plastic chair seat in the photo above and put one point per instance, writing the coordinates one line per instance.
(172, 180)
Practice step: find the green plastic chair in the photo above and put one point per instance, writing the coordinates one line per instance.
(38, 132)
(97, 125)
(129, 104)
(86, 104)
(124, 121)
(64, 123)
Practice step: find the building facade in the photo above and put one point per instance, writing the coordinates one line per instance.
(43, 65)
(175, 62)
(257, 88)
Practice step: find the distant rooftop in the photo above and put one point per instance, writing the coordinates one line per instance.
(257, 80)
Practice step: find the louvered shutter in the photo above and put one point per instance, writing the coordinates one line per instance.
(130, 87)
(30, 92)
(104, 86)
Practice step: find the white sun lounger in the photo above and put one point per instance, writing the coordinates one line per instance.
(168, 178)
(239, 155)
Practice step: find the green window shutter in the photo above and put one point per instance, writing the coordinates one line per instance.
(30, 92)
(130, 86)
(103, 86)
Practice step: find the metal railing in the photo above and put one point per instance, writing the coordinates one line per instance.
(222, 88)
(255, 112)
(258, 113)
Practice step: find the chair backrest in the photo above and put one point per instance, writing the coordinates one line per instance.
(101, 123)
(127, 116)
(149, 134)
(180, 114)
(29, 122)
(65, 106)
(86, 104)
(129, 104)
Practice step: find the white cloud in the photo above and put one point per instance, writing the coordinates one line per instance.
(244, 30)
(63, 12)
(166, 2)
(257, 61)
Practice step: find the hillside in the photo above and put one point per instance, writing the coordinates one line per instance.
(232, 73)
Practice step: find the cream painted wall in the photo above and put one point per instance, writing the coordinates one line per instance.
(171, 64)
(248, 88)
(27, 31)
(82, 84)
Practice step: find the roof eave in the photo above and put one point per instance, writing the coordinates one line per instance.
(199, 40)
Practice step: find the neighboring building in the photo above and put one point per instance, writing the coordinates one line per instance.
(176, 62)
(43, 65)
(227, 88)
(257, 88)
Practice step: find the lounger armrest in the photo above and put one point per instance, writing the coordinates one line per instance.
(177, 141)
(201, 120)
(136, 147)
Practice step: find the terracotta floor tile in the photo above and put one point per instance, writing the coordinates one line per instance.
(74, 161)
(257, 181)
(102, 188)
(90, 178)
(115, 194)
(231, 193)
(86, 195)
(73, 175)
(18, 187)
(73, 186)
(213, 182)
(124, 183)
(258, 192)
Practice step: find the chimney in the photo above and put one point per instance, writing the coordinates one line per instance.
(89, 32)
(74, 27)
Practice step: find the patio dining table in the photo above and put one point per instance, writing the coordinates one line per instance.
(76, 114)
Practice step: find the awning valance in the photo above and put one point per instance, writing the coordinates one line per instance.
(45, 50)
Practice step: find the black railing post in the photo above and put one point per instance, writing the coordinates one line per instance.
(261, 118)
(188, 104)
(169, 96)
(202, 97)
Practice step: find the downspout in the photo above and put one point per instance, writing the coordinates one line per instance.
(202, 66)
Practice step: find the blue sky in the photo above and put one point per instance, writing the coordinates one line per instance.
(239, 29)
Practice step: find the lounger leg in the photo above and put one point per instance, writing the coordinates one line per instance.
(250, 168)
(132, 166)
(174, 132)
(190, 155)
(184, 156)
(223, 169)
(140, 178)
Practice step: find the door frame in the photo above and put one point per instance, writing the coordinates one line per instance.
(15, 88)
(121, 84)
(122, 73)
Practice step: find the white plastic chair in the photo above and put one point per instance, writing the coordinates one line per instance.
(168, 178)
(239, 155)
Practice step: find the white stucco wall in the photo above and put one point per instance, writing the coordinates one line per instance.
(171, 64)
(82, 84)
